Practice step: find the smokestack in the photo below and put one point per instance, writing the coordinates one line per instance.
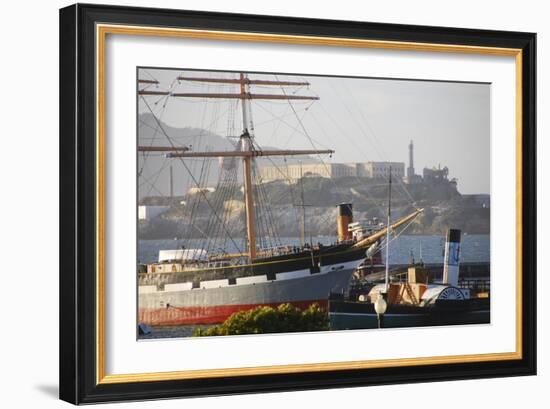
(343, 219)
(452, 257)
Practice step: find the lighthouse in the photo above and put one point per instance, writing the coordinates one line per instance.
(410, 169)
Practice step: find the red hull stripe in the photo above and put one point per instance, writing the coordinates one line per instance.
(206, 315)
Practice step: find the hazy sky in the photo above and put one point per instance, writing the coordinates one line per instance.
(361, 119)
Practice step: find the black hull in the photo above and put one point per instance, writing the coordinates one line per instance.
(269, 266)
(359, 315)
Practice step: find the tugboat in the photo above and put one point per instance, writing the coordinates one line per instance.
(415, 302)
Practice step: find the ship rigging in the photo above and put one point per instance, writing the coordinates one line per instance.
(248, 149)
(204, 284)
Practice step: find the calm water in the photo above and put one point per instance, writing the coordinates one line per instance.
(475, 247)
(180, 331)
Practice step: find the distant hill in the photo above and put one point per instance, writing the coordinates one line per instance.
(150, 134)
(154, 168)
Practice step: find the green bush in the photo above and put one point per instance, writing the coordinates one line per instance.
(268, 320)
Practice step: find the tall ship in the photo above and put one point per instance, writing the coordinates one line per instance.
(206, 283)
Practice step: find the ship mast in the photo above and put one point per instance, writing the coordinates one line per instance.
(247, 150)
(387, 276)
(246, 146)
(303, 229)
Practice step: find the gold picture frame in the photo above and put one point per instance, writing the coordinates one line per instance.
(106, 21)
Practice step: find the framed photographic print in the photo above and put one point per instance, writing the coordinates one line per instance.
(258, 203)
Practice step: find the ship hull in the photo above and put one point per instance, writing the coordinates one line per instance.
(357, 315)
(215, 305)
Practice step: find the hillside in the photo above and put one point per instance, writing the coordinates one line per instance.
(444, 207)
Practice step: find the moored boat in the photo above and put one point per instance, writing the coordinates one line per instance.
(415, 302)
(205, 290)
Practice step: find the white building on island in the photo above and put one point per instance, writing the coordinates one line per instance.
(371, 170)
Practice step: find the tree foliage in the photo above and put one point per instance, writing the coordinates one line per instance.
(266, 320)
